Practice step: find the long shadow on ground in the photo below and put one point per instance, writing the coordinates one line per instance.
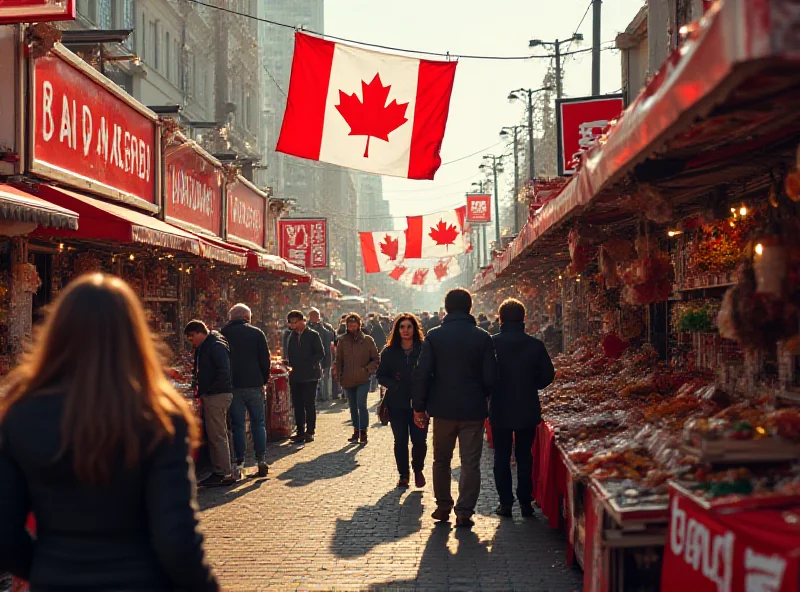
(330, 465)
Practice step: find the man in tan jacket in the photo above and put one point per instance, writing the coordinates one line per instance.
(357, 359)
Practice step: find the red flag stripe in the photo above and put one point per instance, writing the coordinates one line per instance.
(301, 132)
(462, 214)
(414, 237)
(434, 87)
(368, 253)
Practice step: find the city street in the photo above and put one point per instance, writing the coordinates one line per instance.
(330, 518)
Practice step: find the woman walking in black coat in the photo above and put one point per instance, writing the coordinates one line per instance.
(96, 443)
(397, 365)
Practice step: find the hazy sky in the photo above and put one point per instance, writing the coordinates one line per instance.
(479, 106)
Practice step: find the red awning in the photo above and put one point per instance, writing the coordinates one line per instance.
(257, 260)
(318, 286)
(19, 206)
(732, 81)
(101, 220)
(219, 250)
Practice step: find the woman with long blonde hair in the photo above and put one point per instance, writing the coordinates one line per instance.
(96, 443)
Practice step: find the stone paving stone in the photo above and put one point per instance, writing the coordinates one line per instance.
(330, 518)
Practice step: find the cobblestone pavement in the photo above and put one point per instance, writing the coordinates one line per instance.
(330, 518)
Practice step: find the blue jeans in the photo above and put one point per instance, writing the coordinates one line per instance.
(252, 401)
(324, 388)
(357, 399)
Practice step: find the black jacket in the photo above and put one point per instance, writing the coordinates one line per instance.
(524, 367)
(304, 355)
(457, 370)
(212, 366)
(137, 534)
(328, 337)
(395, 372)
(378, 334)
(250, 363)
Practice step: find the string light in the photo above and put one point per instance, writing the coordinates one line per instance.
(60, 246)
(131, 257)
(743, 211)
(759, 249)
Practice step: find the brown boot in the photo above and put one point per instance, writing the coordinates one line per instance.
(363, 436)
(355, 436)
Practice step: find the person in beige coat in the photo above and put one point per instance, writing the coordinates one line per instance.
(357, 359)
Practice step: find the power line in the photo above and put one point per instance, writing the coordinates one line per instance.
(579, 27)
(448, 55)
(271, 77)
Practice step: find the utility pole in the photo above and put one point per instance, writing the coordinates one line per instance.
(557, 46)
(558, 70)
(496, 167)
(596, 6)
(504, 134)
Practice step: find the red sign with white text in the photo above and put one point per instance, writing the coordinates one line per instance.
(479, 208)
(87, 133)
(194, 189)
(247, 208)
(731, 551)
(304, 242)
(581, 122)
(35, 11)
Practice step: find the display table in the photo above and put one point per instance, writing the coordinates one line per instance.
(732, 547)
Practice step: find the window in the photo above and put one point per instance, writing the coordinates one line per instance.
(179, 68)
(168, 61)
(156, 46)
(141, 39)
(152, 50)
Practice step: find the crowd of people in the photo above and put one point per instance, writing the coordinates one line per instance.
(96, 439)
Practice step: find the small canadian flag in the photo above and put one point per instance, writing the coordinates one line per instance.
(366, 110)
(434, 236)
(382, 251)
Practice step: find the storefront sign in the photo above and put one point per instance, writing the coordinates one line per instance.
(35, 11)
(90, 134)
(305, 242)
(247, 208)
(194, 189)
(479, 208)
(746, 551)
(581, 122)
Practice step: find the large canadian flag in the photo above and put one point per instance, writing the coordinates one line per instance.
(366, 110)
(382, 251)
(423, 272)
(433, 236)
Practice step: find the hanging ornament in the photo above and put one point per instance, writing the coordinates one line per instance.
(769, 264)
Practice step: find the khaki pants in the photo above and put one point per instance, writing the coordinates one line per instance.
(470, 445)
(215, 414)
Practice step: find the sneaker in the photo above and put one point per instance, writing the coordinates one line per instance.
(403, 482)
(527, 510)
(299, 438)
(355, 436)
(363, 439)
(216, 480)
(309, 438)
(263, 468)
(238, 471)
(419, 479)
(441, 515)
(464, 522)
(503, 510)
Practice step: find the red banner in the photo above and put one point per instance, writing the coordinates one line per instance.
(90, 134)
(194, 189)
(247, 208)
(581, 122)
(743, 551)
(304, 242)
(479, 208)
(34, 11)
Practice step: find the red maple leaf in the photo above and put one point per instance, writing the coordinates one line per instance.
(419, 276)
(443, 233)
(441, 269)
(389, 247)
(397, 272)
(372, 117)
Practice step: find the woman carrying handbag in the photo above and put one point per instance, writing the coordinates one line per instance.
(398, 361)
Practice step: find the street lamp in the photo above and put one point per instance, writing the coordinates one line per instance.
(504, 134)
(513, 97)
(494, 164)
(557, 46)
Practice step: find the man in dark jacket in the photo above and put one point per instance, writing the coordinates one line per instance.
(456, 373)
(514, 409)
(250, 367)
(328, 337)
(212, 379)
(305, 354)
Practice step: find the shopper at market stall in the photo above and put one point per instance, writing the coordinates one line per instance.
(514, 408)
(376, 331)
(96, 440)
(211, 374)
(328, 337)
(250, 370)
(494, 326)
(357, 360)
(395, 372)
(305, 355)
(455, 375)
(483, 322)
